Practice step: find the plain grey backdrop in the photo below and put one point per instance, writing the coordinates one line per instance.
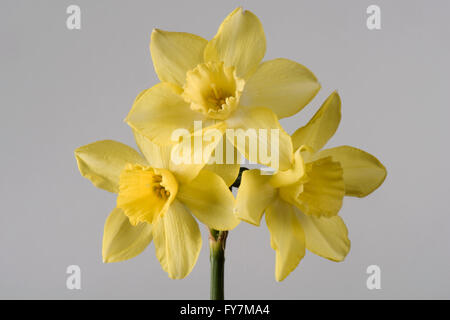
(60, 89)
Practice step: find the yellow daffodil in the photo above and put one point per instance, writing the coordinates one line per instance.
(155, 201)
(222, 83)
(302, 203)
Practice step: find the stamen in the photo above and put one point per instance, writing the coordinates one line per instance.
(216, 91)
(212, 100)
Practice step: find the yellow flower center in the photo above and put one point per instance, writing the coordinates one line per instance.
(213, 89)
(145, 193)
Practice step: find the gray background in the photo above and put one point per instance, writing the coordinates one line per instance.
(61, 89)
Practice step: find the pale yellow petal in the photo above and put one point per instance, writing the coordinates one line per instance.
(225, 161)
(282, 85)
(286, 237)
(228, 172)
(101, 162)
(210, 200)
(260, 137)
(175, 53)
(322, 193)
(177, 241)
(121, 240)
(326, 237)
(240, 42)
(254, 195)
(192, 153)
(159, 111)
(322, 126)
(157, 156)
(363, 173)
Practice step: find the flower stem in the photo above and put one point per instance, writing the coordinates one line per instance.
(217, 241)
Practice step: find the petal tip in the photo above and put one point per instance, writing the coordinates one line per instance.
(249, 221)
(155, 32)
(106, 259)
(238, 9)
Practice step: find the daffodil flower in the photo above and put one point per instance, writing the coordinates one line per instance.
(301, 204)
(222, 83)
(155, 201)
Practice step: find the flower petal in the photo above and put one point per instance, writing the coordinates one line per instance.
(228, 172)
(157, 156)
(225, 161)
(322, 126)
(193, 152)
(210, 200)
(177, 241)
(326, 237)
(175, 53)
(286, 237)
(121, 240)
(254, 195)
(159, 111)
(240, 42)
(101, 162)
(282, 85)
(363, 173)
(253, 130)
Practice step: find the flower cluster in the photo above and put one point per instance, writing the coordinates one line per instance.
(224, 84)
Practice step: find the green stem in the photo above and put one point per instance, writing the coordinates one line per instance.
(217, 242)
